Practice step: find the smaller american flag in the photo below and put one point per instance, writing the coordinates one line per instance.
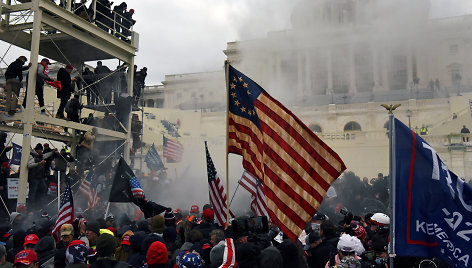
(229, 256)
(66, 213)
(217, 191)
(89, 188)
(256, 189)
(173, 149)
(136, 188)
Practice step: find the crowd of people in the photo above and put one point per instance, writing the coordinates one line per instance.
(101, 86)
(117, 20)
(351, 229)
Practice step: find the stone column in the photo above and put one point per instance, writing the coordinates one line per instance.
(329, 63)
(376, 67)
(352, 70)
(409, 66)
(301, 83)
(384, 72)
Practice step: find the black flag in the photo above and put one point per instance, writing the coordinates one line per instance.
(121, 190)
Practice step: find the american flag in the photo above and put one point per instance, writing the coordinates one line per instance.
(136, 188)
(89, 188)
(256, 189)
(173, 149)
(229, 256)
(66, 213)
(217, 191)
(294, 165)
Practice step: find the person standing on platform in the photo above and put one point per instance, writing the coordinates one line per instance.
(63, 75)
(41, 77)
(13, 78)
(73, 108)
(104, 87)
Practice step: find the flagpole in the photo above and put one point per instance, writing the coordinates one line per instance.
(391, 143)
(58, 190)
(227, 137)
(106, 211)
(234, 194)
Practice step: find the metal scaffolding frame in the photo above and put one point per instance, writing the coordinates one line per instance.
(79, 41)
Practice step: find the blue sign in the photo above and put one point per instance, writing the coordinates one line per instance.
(16, 154)
(433, 206)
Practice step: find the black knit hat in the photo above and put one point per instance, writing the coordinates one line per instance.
(93, 227)
(106, 245)
(38, 146)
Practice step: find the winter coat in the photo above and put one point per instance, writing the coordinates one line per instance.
(320, 254)
(110, 263)
(45, 249)
(15, 69)
(66, 83)
(36, 170)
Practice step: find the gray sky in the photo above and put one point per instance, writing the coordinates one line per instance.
(189, 36)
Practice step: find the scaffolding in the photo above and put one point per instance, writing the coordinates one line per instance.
(59, 33)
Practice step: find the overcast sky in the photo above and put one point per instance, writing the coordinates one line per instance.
(190, 35)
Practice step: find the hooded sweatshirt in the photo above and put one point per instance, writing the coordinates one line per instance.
(45, 249)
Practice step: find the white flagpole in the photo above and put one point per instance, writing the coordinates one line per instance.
(227, 138)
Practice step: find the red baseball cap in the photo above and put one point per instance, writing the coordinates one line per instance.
(46, 61)
(26, 257)
(69, 67)
(125, 240)
(194, 209)
(31, 239)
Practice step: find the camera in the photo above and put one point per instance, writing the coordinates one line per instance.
(250, 226)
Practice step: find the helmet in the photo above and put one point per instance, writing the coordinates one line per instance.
(380, 219)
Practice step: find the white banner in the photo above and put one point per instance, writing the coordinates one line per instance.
(12, 184)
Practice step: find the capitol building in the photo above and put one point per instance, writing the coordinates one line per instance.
(333, 68)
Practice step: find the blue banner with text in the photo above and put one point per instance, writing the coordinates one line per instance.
(433, 206)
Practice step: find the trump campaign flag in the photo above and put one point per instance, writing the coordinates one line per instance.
(433, 206)
(153, 160)
(16, 154)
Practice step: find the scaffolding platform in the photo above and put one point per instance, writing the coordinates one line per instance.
(55, 32)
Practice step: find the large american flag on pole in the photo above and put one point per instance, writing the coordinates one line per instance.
(89, 188)
(294, 165)
(256, 189)
(66, 213)
(173, 149)
(216, 190)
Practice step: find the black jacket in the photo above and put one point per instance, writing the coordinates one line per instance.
(320, 254)
(73, 107)
(66, 83)
(15, 69)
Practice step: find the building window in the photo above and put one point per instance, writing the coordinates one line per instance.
(352, 126)
(179, 95)
(315, 128)
(454, 48)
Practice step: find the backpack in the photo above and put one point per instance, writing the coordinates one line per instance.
(350, 262)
